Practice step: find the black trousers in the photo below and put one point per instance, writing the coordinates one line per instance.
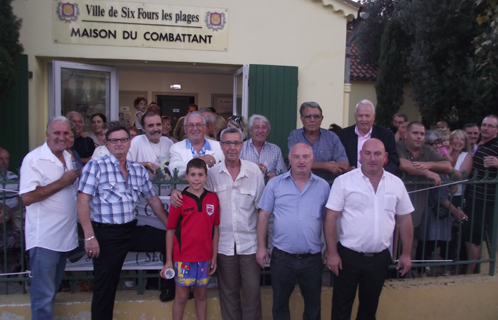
(150, 239)
(114, 243)
(365, 272)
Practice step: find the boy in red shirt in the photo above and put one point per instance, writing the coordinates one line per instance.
(192, 240)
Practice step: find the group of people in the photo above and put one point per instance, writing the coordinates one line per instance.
(228, 206)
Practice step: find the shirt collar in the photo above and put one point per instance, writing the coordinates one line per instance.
(47, 154)
(367, 136)
(242, 173)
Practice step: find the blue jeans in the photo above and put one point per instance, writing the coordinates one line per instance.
(285, 269)
(47, 269)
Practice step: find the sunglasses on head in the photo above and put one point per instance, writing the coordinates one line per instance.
(237, 119)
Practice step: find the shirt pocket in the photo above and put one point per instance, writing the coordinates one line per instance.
(110, 193)
(247, 199)
(390, 203)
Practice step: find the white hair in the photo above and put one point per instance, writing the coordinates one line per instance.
(56, 119)
(259, 117)
(367, 102)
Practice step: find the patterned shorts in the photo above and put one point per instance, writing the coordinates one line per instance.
(191, 274)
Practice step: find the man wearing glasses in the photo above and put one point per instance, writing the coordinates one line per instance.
(239, 185)
(109, 190)
(194, 146)
(330, 157)
(480, 198)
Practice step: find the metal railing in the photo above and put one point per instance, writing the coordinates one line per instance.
(432, 257)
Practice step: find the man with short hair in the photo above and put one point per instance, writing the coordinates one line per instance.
(362, 210)
(420, 162)
(109, 190)
(443, 125)
(297, 200)
(210, 118)
(480, 198)
(11, 192)
(353, 137)
(48, 189)
(398, 120)
(179, 131)
(194, 146)
(82, 144)
(151, 150)
(266, 155)
(330, 158)
(472, 131)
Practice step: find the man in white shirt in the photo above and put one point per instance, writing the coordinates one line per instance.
(48, 190)
(239, 185)
(365, 203)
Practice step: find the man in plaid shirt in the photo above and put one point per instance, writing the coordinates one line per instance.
(109, 189)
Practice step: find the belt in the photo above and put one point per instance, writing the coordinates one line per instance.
(297, 255)
(366, 254)
(114, 226)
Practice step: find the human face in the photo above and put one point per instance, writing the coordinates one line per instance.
(231, 146)
(457, 142)
(398, 121)
(301, 159)
(70, 141)
(442, 125)
(402, 130)
(196, 178)
(191, 109)
(118, 149)
(153, 128)
(133, 134)
(97, 124)
(259, 131)
(142, 105)
(4, 159)
(194, 128)
(472, 134)
(364, 118)
(415, 137)
(311, 119)
(373, 156)
(446, 141)
(166, 127)
(436, 146)
(489, 128)
(77, 121)
(57, 136)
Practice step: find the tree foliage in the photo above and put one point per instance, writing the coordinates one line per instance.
(10, 48)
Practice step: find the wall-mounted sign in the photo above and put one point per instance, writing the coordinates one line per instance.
(140, 25)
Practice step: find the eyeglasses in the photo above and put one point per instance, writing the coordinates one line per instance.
(232, 143)
(315, 116)
(114, 141)
(484, 125)
(435, 143)
(197, 125)
(237, 119)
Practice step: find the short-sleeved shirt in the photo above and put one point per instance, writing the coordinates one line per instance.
(298, 215)
(50, 223)
(419, 198)
(11, 190)
(367, 219)
(114, 199)
(327, 147)
(270, 156)
(194, 224)
(489, 148)
(238, 206)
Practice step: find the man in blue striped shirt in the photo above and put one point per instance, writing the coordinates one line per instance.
(110, 188)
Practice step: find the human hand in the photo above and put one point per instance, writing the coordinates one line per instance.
(176, 198)
(421, 165)
(262, 256)
(490, 161)
(334, 263)
(208, 159)
(334, 168)
(212, 266)
(434, 177)
(262, 167)
(406, 262)
(70, 176)
(167, 265)
(92, 248)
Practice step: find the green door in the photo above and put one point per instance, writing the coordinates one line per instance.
(273, 93)
(14, 118)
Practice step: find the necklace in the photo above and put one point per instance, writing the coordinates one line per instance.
(154, 150)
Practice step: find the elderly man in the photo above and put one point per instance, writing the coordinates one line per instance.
(267, 156)
(297, 200)
(194, 146)
(109, 190)
(210, 118)
(82, 144)
(48, 190)
(354, 137)
(11, 190)
(330, 158)
(480, 198)
(362, 210)
(179, 132)
(472, 131)
(238, 184)
(420, 162)
(151, 150)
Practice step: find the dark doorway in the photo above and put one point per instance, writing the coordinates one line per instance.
(174, 106)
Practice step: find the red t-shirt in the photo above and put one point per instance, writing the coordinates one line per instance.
(194, 223)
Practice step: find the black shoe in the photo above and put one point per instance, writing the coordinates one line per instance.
(166, 296)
